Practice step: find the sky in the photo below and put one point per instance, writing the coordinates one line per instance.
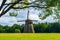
(8, 20)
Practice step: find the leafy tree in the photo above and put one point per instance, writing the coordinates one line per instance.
(54, 28)
(7, 7)
(7, 29)
(39, 28)
(17, 31)
(16, 28)
(1, 29)
(21, 4)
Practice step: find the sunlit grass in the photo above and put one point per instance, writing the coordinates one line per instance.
(29, 36)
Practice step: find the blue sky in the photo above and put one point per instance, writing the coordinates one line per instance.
(8, 20)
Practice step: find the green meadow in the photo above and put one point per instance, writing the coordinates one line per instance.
(29, 36)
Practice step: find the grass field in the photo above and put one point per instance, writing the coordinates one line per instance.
(29, 36)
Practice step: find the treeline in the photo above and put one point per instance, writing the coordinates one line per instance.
(47, 28)
(10, 29)
(39, 28)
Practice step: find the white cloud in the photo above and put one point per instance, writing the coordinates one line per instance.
(0, 2)
(50, 19)
(7, 20)
(33, 16)
(12, 20)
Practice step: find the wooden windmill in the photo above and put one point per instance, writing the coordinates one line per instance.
(28, 25)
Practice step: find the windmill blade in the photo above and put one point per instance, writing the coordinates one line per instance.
(21, 20)
(28, 15)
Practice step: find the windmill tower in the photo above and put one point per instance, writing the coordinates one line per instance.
(28, 25)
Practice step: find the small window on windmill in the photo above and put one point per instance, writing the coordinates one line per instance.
(14, 13)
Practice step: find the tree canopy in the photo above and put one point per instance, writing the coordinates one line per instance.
(46, 5)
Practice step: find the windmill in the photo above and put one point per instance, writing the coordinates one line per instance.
(28, 24)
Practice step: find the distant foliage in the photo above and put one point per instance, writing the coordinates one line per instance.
(13, 14)
(47, 28)
(39, 28)
(10, 29)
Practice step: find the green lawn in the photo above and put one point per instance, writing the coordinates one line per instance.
(29, 36)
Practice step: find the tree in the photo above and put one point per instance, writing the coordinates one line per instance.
(20, 4)
(51, 4)
(1, 29)
(53, 28)
(40, 28)
(17, 31)
(16, 28)
(46, 5)
(7, 7)
(7, 29)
